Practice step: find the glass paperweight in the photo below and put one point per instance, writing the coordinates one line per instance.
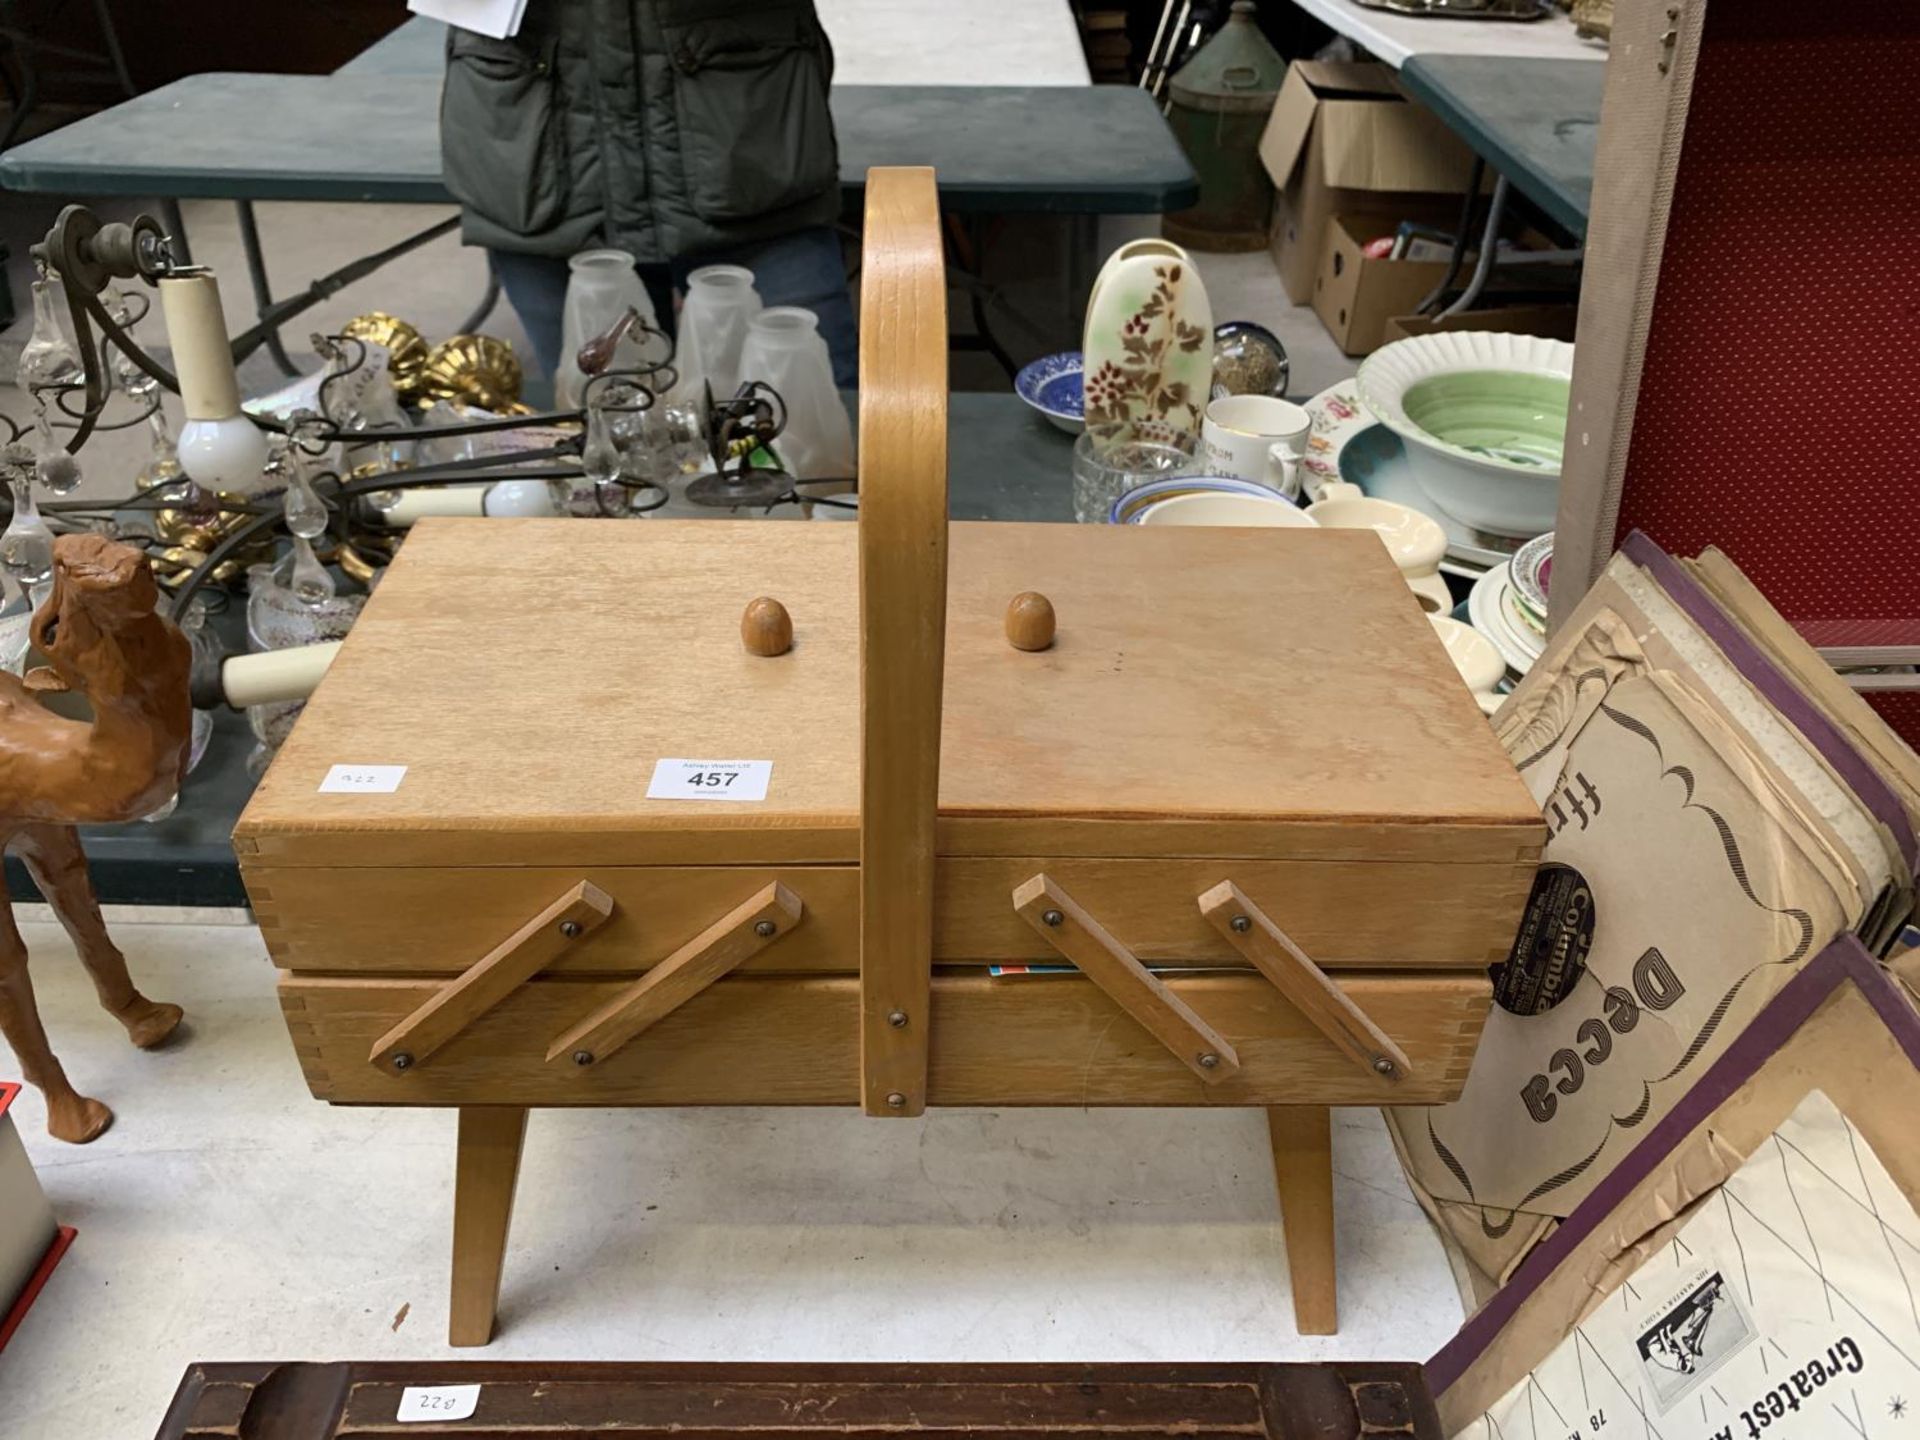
(676, 434)
(1248, 359)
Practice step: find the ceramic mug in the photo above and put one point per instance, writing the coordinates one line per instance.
(1258, 438)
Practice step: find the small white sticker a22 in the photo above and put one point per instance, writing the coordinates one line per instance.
(363, 779)
(710, 780)
(437, 1402)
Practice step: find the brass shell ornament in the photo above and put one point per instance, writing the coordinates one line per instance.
(474, 369)
(406, 348)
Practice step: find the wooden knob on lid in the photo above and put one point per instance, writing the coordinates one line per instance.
(766, 628)
(1030, 621)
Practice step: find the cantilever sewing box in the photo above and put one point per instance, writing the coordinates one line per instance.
(1243, 791)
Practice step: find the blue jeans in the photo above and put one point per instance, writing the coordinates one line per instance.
(804, 269)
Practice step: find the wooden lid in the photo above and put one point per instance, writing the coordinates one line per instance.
(1209, 692)
(528, 673)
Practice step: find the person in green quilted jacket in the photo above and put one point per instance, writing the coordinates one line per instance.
(685, 132)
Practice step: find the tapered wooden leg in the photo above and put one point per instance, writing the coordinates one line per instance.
(1302, 1137)
(484, 1176)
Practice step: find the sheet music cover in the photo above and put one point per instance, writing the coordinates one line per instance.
(1787, 1307)
(1678, 892)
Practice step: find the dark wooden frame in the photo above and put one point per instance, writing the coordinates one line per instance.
(341, 1399)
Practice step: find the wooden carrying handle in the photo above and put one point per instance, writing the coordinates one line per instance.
(903, 625)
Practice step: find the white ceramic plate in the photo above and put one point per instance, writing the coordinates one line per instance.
(1532, 572)
(1507, 612)
(1485, 605)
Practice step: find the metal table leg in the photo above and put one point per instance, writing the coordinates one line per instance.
(1489, 242)
(487, 301)
(1459, 254)
(279, 312)
(1083, 239)
(177, 231)
(262, 290)
(116, 57)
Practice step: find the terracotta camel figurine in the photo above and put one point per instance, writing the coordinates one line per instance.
(102, 638)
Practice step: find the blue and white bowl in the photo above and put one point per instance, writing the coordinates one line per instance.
(1052, 385)
(1130, 507)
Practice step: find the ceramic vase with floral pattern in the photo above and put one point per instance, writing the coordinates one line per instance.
(1149, 340)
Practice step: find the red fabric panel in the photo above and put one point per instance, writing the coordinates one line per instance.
(1779, 408)
(1899, 708)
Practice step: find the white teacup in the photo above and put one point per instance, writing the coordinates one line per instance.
(1257, 438)
(1222, 508)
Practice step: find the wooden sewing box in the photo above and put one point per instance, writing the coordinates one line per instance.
(1243, 794)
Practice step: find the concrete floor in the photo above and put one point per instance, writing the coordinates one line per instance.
(227, 1215)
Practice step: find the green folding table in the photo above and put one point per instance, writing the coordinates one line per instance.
(371, 132)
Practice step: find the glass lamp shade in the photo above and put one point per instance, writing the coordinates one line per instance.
(784, 349)
(602, 285)
(721, 303)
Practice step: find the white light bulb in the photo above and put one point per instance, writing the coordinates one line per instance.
(219, 447)
(228, 454)
(520, 499)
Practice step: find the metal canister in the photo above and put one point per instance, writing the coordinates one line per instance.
(1219, 102)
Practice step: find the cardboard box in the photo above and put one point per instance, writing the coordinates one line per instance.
(1354, 295)
(1343, 140)
(1555, 322)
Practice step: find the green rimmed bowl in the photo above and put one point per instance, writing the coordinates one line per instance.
(1483, 417)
